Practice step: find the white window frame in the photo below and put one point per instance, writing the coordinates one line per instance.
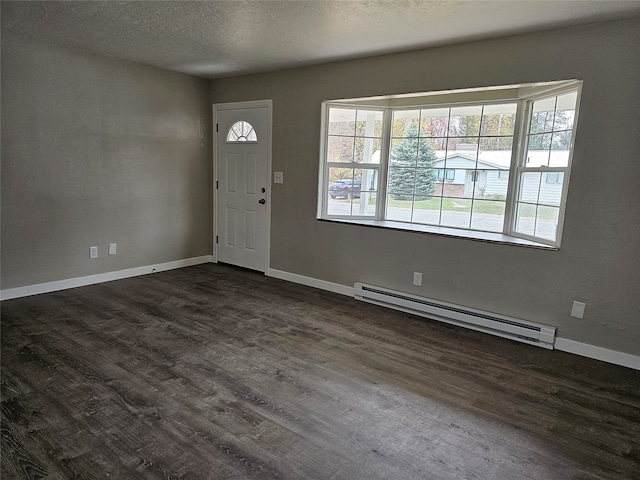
(241, 138)
(524, 95)
(520, 166)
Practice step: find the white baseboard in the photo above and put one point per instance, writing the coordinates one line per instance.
(311, 282)
(597, 353)
(562, 344)
(99, 278)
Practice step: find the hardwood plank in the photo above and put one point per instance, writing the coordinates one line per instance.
(214, 372)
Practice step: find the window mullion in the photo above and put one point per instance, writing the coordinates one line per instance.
(517, 160)
(385, 146)
(323, 210)
(544, 169)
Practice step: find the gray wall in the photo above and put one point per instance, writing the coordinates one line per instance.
(599, 261)
(98, 150)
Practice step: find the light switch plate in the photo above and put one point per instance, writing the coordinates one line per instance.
(112, 248)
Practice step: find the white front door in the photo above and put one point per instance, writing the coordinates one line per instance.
(243, 149)
(475, 183)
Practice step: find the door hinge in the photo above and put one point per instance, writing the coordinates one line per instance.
(217, 185)
(216, 238)
(217, 128)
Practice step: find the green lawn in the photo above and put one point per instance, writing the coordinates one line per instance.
(490, 207)
(453, 204)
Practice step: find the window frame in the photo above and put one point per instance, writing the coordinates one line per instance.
(238, 139)
(566, 170)
(442, 174)
(526, 96)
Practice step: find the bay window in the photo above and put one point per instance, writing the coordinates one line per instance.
(488, 163)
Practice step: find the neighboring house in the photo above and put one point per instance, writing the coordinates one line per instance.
(460, 176)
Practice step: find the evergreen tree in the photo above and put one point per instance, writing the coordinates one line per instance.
(411, 172)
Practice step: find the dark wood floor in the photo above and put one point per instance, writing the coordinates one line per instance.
(213, 372)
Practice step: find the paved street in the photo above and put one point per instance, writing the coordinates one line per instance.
(480, 221)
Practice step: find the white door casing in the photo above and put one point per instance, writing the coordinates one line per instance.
(242, 200)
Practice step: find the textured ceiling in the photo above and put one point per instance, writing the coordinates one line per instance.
(221, 38)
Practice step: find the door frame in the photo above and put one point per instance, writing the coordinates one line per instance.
(268, 104)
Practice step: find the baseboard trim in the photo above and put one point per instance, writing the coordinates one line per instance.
(597, 353)
(562, 344)
(99, 278)
(311, 282)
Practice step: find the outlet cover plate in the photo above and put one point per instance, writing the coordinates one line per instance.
(577, 310)
(112, 248)
(93, 252)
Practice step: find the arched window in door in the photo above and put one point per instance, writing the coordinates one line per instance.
(242, 132)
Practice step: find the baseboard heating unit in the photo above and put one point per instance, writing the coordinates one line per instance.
(500, 325)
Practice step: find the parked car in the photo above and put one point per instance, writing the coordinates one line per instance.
(346, 188)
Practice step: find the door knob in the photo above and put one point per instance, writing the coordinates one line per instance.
(262, 201)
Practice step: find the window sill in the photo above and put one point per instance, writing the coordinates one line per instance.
(488, 237)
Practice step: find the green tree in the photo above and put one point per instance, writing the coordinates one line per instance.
(411, 172)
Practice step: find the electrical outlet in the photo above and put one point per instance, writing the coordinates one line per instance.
(112, 248)
(93, 252)
(577, 310)
(278, 177)
(417, 279)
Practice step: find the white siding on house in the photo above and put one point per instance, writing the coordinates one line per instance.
(542, 188)
(535, 189)
(497, 184)
(459, 177)
(458, 162)
(493, 180)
